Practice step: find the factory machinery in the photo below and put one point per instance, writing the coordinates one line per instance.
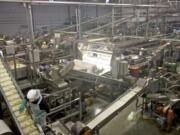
(61, 86)
(162, 104)
(13, 99)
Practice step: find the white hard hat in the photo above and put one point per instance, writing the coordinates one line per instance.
(33, 95)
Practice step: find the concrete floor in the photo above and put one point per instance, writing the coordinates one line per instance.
(121, 126)
(96, 108)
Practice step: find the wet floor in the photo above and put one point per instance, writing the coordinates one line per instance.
(120, 125)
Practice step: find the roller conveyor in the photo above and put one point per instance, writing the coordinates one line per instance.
(13, 99)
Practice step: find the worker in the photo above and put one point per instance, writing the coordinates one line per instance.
(44, 45)
(51, 43)
(170, 118)
(43, 67)
(38, 106)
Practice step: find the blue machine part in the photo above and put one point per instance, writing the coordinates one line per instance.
(176, 30)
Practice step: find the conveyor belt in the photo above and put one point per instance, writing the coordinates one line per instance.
(111, 111)
(13, 99)
(89, 77)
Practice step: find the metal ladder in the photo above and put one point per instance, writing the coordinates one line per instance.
(13, 97)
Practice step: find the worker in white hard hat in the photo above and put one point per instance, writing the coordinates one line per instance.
(38, 106)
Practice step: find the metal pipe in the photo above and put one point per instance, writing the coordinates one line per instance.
(115, 22)
(97, 15)
(113, 11)
(31, 30)
(173, 1)
(87, 3)
(65, 104)
(79, 21)
(15, 66)
(90, 20)
(152, 38)
(69, 116)
(31, 25)
(80, 105)
(98, 4)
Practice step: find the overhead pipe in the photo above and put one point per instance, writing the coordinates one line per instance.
(87, 3)
(90, 20)
(119, 21)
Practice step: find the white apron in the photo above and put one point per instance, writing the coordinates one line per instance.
(38, 115)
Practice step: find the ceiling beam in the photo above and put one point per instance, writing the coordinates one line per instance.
(34, 2)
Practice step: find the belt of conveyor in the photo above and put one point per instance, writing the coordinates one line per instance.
(118, 105)
(14, 99)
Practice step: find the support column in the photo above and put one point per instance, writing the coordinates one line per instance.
(78, 21)
(97, 15)
(30, 22)
(113, 11)
(69, 14)
(79, 15)
(137, 21)
(147, 21)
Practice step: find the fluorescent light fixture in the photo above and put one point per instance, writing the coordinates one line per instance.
(107, 1)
